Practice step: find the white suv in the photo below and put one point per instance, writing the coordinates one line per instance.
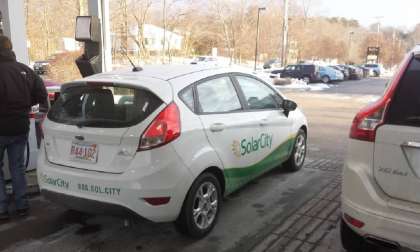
(381, 177)
(166, 143)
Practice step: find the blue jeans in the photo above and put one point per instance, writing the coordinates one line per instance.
(15, 146)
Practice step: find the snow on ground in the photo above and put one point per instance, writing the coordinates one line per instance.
(294, 83)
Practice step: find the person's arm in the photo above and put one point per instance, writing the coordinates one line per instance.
(39, 94)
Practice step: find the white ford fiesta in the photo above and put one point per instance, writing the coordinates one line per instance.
(166, 143)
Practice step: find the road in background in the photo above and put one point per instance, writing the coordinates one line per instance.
(279, 211)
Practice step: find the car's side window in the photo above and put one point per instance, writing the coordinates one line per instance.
(258, 96)
(405, 106)
(187, 97)
(218, 96)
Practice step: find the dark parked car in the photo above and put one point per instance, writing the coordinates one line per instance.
(355, 73)
(41, 67)
(345, 71)
(306, 72)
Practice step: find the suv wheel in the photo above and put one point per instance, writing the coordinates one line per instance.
(201, 207)
(307, 79)
(325, 79)
(297, 158)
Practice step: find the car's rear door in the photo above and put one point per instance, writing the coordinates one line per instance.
(397, 144)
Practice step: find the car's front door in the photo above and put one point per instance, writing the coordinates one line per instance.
(230, 130)
(259, 98)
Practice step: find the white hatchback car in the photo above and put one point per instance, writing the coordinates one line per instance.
(381, 176)
(166, 143)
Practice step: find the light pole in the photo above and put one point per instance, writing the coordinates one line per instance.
(285, 33)
(257, 36)
(379, 29)
(351, 33)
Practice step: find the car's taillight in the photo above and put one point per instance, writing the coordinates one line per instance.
(371, 117)
(165, 128)
(367, 121)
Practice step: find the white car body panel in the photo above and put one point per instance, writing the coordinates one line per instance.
(363, 199)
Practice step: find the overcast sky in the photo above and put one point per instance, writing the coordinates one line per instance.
(399, 13)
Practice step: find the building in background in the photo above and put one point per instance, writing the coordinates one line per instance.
(153, 40)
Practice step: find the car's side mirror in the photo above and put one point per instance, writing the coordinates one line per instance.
(288, 106)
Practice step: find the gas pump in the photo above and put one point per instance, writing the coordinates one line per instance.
(88, 30)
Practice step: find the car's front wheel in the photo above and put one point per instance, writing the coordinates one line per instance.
(297, 158)
(201, 207)
(325, 79)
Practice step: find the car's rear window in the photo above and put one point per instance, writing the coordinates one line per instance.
(371, 65)
(103, 106)
(405, 106)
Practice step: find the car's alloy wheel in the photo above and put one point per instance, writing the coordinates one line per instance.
(205, 205)
(307, 80)
(297, 158)
(300, 150)
(201, 207)
(325, 79)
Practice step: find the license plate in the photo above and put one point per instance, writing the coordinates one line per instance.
(86, 152)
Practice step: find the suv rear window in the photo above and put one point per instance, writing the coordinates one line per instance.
(405, 106)
(103, 106)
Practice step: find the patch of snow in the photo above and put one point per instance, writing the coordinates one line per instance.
(300, 84)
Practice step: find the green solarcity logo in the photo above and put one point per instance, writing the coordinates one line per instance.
(249, 145)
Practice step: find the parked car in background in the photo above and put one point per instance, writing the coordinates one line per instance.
(205, 60)
(381, 176)
(272, 63)
(329, 74)
(374, 69)
(355, 73)
(41, 67)
(343, 70)
(307, 72)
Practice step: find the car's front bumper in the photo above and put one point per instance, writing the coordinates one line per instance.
(86, 190)
(364, 200)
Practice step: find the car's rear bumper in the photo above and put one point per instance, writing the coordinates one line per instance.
(98, 192)
(362, 199)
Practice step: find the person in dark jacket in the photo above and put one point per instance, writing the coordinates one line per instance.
(20, 89)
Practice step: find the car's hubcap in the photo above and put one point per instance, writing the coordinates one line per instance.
(300, 150)
(205, 205)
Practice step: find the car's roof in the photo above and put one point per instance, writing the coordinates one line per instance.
(164, 72)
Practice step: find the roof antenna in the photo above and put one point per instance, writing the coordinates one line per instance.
(135, 68)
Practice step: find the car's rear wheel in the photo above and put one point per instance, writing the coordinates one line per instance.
(297, 158)
(325, 79)
(201, 207)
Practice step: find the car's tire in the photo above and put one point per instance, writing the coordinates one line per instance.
(325, 79)
(204, 198)
(350, 240)
(297, 158)
(307, 79)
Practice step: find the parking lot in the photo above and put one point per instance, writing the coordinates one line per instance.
(278, 212)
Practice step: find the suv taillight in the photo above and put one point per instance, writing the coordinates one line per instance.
(367, 121)
(370, 118)
(165, 128)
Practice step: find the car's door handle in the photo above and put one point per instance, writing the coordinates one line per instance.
(264, 122)
(217, 127)
(410, 144)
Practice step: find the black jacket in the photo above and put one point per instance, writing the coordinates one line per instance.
(20, 89)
